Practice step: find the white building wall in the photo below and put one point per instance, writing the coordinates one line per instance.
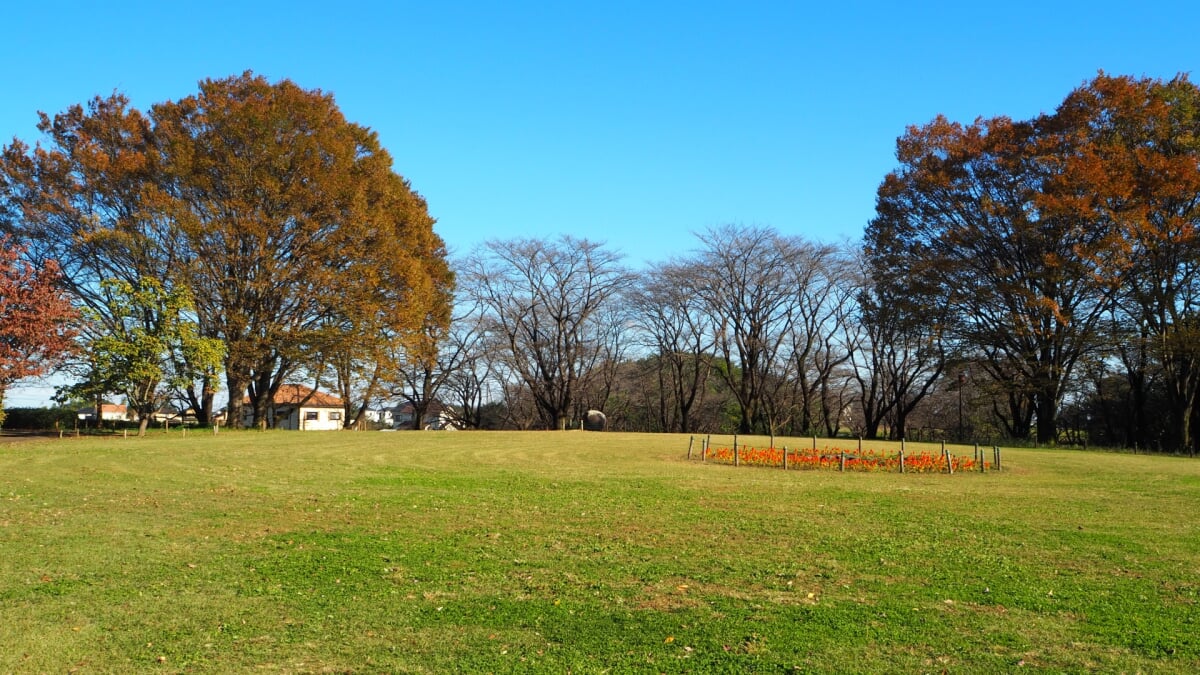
(317, 419)
(311, 419)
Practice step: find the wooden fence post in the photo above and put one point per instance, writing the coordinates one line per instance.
(946, 457)
(842, 461)
(901, 456)
(704, 450)
(691, 439)
(736, 459)
(785, 458)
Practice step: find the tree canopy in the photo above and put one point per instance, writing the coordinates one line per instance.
(1041, 275)
(279, 217)
(1033, 232)
(36, 319)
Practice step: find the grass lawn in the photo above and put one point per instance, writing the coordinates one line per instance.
(568, 551)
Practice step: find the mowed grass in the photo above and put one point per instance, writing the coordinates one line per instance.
(569, 551)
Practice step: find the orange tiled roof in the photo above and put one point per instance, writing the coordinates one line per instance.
(292, 394)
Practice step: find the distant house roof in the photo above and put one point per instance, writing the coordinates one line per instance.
(294, 394)
(113, 408)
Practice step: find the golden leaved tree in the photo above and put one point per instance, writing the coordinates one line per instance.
(294, 222)
(281, 218)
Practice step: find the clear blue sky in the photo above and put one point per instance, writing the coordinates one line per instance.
(634, 123)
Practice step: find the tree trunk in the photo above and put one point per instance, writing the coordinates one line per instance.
(201, 404)
(1047, 418)
(237, 384)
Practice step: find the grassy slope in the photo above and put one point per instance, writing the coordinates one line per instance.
(428, 552)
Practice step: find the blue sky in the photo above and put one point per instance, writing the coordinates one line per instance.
(633, 123)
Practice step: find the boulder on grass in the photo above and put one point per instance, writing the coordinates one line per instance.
(594, 421)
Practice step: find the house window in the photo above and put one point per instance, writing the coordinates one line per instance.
(311, 415)
(335, 415)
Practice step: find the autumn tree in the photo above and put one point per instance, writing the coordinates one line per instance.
(1136, 171)
(287, 212)
(259, 199)
(977, 214)
(36, 320)
(88, 199)
(544, 300)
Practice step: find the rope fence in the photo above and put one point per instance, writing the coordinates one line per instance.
(841, 459)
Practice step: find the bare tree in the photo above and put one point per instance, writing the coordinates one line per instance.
(673, 323)
(900, 356)
(815, 346)
(544, 301)
(749, 295)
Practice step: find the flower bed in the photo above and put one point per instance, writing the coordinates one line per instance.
(846, 460)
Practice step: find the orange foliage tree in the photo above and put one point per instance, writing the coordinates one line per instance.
(301, 239)
(970, 222)
(36, 330)
(1136, 171)
(284, 222)
(91, 198)
(1035, 232)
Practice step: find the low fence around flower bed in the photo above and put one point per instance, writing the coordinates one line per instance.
(845, 460)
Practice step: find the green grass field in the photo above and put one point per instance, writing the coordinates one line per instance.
(567, 551)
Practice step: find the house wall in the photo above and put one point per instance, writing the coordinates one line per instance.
(314, 419)
(325, 419)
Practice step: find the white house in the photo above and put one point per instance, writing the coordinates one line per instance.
(299, 407)
(380, 417)
(109, 412)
